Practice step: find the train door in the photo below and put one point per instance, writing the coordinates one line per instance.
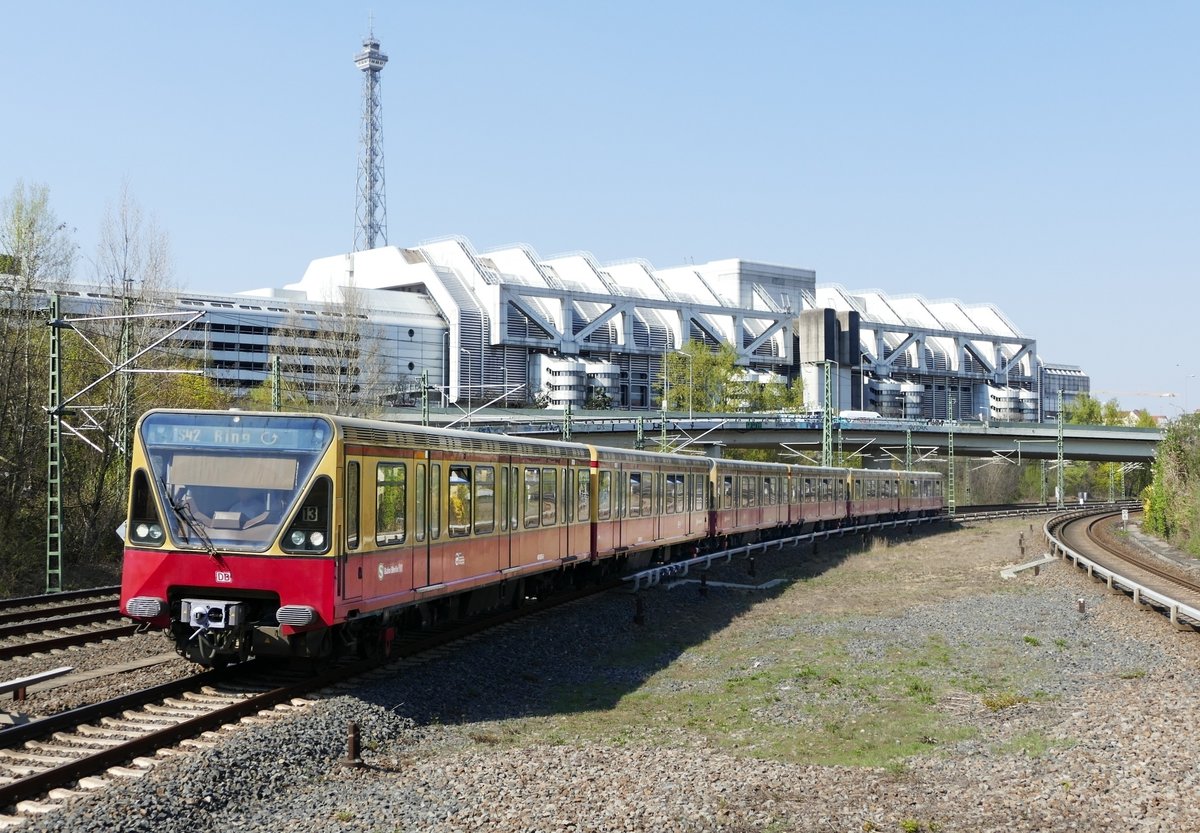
(426, 567)
(503, 514)
(567, 511)
(422, 520)
(350, 557)
(583, 542)
(511, 557)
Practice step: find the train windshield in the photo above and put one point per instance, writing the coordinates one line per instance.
(229, 479)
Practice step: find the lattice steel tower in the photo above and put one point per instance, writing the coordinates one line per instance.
(370, 229)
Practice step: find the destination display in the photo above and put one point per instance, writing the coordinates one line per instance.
(262, 433)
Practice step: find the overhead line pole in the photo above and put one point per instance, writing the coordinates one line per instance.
(54, 460)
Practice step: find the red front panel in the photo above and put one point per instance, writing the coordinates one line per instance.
(297, 581)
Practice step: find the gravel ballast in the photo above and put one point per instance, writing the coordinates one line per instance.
(897, 685)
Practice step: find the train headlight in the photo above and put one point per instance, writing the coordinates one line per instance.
(297, 537)
(148, 531)
(317, 539)
(145, 607)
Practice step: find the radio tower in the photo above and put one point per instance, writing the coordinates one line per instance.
(370, 229)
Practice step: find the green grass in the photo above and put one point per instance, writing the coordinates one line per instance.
(780, 681)
(1033, 745)
(808, 703)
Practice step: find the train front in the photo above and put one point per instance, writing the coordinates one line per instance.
(228, 535)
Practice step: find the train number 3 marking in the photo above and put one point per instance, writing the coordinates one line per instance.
(224, 577)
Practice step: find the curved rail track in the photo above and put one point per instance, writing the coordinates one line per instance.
(1086, 539)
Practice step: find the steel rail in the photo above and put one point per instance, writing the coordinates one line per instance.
(1141, 593)
(37, 784)
(59, 610)
(40, 625)
(49, 598)
(27, 648)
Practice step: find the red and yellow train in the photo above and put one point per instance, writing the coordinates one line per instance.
(303, 535)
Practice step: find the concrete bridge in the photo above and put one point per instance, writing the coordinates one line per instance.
(878, 438)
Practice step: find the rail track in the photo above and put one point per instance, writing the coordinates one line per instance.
(1088, 539)
(38, 624)
(54, 599)
(41, 758)
(86, 747)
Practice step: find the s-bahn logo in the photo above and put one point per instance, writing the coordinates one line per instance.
(389, 570)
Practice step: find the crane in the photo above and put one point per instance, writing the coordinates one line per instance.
(1149, 394)
(1141, 394)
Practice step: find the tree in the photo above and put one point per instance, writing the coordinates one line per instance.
(291, 397)
(697, 379)
(1172, 500)
(598, 398)
(335, 357)
(132, 268)
(1084, 411)
(38, 254)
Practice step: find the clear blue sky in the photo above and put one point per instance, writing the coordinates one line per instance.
(1039, 156)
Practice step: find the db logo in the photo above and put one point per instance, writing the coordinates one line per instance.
(224, 577)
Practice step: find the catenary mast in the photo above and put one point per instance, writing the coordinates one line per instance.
(370, 229)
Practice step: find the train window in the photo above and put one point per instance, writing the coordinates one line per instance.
(660, 492)
(460, 501)
(435, 503)
(352, 505)
(858, 488)
(568, 498)
(698, 501)
(635, 494)
(647, 494)
(502, 499)
(583, 476)
(747, 494)
(419, 503)
(727, 492)
(391, 496)
(769, 491)
(533, 497)
(840, 486)
(808, 490)
(604, 498)
(870, 488)
(826, 489)
(549, 496)
(514, 495)
(668, 494)
(485, 499)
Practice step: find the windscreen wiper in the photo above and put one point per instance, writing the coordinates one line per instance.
(188, 520)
